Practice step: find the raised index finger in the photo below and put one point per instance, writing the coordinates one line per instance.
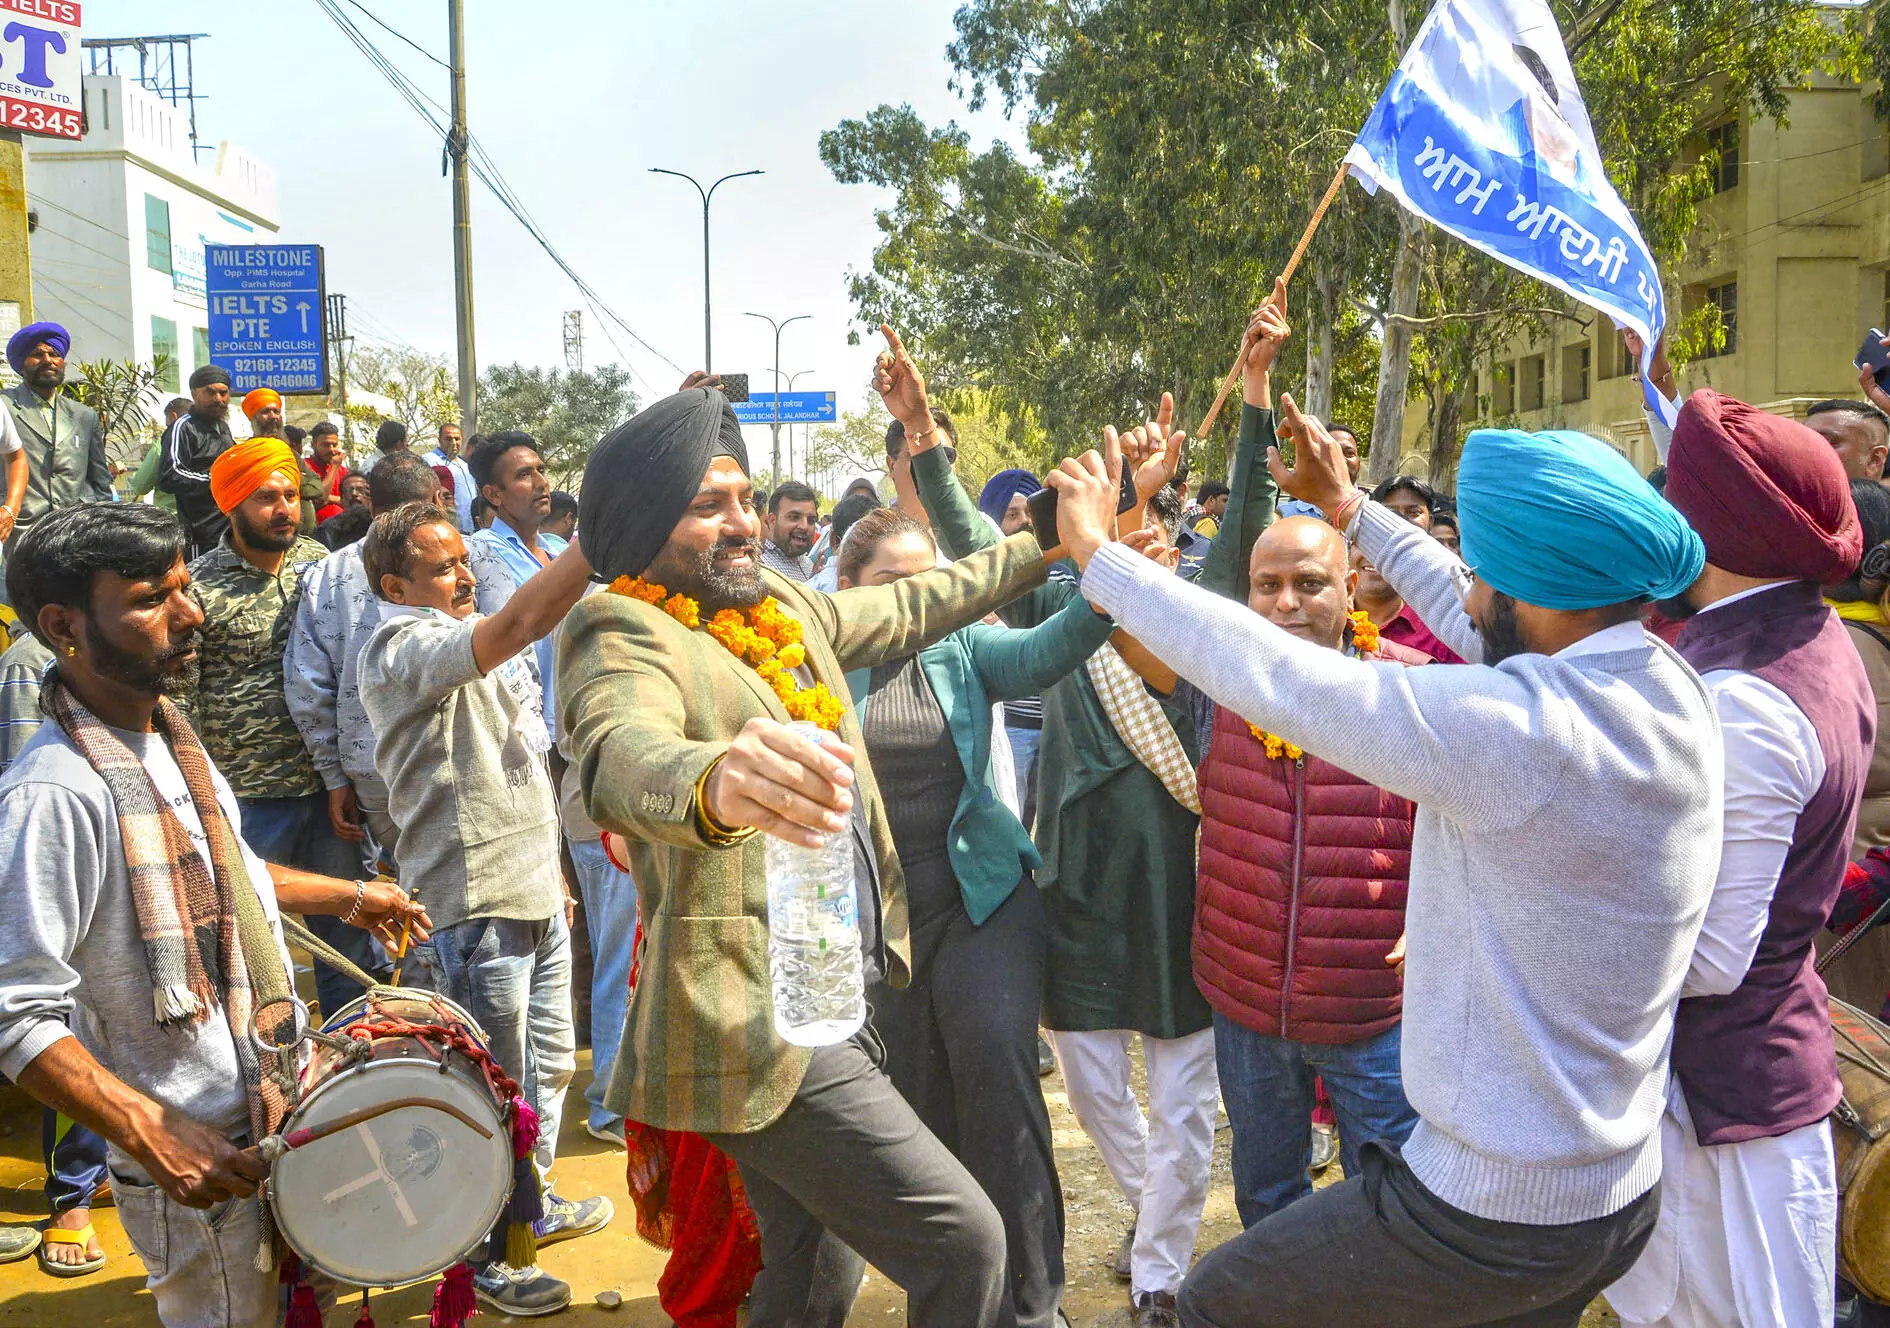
(897, 346)
(1165, 414)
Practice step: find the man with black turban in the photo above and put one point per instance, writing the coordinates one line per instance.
(190, 446)
(683, 748)
(57, 434)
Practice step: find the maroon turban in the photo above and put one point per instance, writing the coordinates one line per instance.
(1767, 495)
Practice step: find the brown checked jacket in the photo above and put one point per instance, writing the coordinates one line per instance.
(647, 704)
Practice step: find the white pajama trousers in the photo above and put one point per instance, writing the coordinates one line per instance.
(1747, 1235)
(1160, 1160)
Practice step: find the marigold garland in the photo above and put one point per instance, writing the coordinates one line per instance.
(764, 637)
(1364, 640)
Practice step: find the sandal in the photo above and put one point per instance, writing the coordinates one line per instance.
(84, 1236)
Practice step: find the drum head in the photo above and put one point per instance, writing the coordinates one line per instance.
(1864, 1227)
(400, 1197)
(413, 1003)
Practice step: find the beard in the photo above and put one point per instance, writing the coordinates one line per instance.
(145, 674)
(49, 377)
(1501, 633)
(1677, 609)
(716, 587)
(276, 537)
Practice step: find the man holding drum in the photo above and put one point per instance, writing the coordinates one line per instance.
(149, 924)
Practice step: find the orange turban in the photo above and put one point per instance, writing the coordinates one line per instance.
(262, 396)
(242, 469)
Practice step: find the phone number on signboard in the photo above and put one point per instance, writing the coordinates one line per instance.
(39, 119)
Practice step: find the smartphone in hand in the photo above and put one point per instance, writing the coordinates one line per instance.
(1874, 355)
(1043, 509)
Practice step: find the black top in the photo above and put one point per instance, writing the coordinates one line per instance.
(921, 780)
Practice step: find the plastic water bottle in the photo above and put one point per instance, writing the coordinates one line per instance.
(814, 937)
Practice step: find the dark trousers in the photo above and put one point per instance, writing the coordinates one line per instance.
(961, 1047)
(1267, 1087)
(849, 1167)
(75, 1163)
(296, 832)
(1380, 1249)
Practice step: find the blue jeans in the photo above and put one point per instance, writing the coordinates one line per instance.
(1023, 761)
(610, 915)
(295, 832)
(514, 979)
(1267, 1087)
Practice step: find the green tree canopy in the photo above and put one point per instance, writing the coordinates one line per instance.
(566, 412)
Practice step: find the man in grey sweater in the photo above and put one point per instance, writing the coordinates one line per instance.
(1567, 837)
(460, 743)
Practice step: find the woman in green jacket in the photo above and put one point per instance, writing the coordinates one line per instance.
(961, 1040)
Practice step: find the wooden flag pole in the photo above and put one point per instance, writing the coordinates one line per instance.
(1292, 266)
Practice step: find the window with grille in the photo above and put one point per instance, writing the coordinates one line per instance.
(157, 233)
(1722, 150)
(1726, 299)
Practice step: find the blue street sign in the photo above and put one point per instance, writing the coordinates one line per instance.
(266, 311)
(796, 408)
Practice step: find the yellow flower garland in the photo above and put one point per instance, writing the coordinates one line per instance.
(764, 637)
(1365, 640)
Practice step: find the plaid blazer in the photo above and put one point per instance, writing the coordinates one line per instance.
(647, 704)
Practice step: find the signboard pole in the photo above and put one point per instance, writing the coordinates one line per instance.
(462, 221)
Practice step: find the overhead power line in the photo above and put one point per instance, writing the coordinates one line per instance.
(487, 170)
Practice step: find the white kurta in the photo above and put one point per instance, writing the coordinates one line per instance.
(1747, 1236)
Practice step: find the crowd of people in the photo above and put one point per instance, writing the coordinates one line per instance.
(1484, 841)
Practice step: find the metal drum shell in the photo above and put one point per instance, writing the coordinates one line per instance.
(330, 1078)
(1860, 1135)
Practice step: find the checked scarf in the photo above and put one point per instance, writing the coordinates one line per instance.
(1143, 726)
(206, 937)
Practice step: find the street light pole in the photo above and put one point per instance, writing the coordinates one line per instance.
(798, 373)
(708, 355)
(777, 384)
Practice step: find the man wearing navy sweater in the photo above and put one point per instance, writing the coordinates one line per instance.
(1567, 836)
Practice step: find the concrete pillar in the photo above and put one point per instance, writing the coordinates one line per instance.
(16, 263)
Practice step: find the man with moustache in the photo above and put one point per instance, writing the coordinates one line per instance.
(135, 970)
(248, 588)
(52, 438)
(792, 526)
(190, 446)
(683, 748)
(1572, 771)
(460, 745)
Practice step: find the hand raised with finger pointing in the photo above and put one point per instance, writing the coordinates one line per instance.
(900, 384)
(1318, 474)
(1087, 488)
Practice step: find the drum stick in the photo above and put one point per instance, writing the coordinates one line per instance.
(406, 935)
(276, 1145)
(1292, 266)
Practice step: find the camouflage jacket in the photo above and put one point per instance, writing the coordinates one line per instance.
(238, 706)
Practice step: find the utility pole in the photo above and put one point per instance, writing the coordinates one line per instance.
(798, 373)
(777, 383)
(462, 219)
(708, 349)
(337, 334)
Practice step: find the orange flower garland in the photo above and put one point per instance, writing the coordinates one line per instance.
(763, 637)
(1364, 640)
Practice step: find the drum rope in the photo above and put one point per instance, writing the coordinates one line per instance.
(327, 953)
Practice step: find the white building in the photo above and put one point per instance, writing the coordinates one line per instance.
(123, 216)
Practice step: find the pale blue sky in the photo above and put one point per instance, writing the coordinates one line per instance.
(575, 102)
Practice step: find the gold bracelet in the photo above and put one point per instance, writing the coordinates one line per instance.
(719, 835)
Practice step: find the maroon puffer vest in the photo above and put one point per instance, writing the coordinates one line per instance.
(1301, 892)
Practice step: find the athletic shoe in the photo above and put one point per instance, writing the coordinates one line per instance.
(567, 1219)
(1156, 1309)
(1123, 1271)
(1325, 1147)
(609, 1134)
(17, 1242)
(524, 1292)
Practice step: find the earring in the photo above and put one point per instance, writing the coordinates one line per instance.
(72, 650)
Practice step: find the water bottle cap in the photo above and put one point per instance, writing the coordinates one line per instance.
(807, 729)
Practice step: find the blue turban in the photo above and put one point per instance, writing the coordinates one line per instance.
(1561, 520)
(32, 335)
(995, 500)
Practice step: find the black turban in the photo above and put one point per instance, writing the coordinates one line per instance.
(643, 474)
(206, 374)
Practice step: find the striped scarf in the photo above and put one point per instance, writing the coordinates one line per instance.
(206, 937)
(1143, 726)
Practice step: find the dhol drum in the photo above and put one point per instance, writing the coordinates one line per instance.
(404, 1193)
(1860, 1130)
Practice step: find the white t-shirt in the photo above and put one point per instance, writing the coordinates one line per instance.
(9, 436)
